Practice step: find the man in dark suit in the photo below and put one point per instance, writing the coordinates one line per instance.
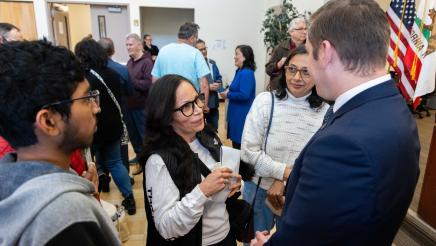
(353, 182)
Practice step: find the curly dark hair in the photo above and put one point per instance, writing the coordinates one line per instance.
(91, 54)
(33, 74)
(248, 54)
(314, 100)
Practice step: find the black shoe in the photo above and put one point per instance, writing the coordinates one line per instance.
(129, 205)
(103, 183)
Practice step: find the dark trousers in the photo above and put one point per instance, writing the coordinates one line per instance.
(125, 156)
(136, 128)
(212, 117)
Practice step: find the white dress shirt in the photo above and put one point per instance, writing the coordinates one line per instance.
(346, 96)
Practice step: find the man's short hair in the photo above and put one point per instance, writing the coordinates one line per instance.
(5, 28)
(146, 35)
(34, 74)
(357, 29)
(108, 46)
(188, 30)
(200, 41)
(134, 36)
(295, 21)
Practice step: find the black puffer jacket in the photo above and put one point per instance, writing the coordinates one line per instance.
(109, 126)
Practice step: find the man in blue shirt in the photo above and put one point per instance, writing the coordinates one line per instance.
(215, 83)
(183, 59)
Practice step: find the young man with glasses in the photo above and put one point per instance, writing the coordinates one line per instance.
(297, 35)
(48, 112)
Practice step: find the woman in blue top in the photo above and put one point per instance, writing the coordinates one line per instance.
(241, 93)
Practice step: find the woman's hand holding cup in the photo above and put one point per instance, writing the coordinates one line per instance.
(216, 181)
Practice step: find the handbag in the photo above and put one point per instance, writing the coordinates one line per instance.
(125, 136)
(241, 217)
(246, 170)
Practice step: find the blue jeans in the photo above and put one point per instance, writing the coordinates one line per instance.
(136, 127)
(262, 215)
(108, 156)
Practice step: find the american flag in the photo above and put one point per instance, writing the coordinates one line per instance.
(401, 17)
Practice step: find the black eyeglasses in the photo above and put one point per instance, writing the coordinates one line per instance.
(292, 70)
(188, 108)
(93, 96)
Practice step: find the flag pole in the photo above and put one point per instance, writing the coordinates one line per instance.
(415, 56)
(399, 34)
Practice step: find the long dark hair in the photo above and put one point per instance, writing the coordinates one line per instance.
(160, 135)
(248, 54)
(314, 100)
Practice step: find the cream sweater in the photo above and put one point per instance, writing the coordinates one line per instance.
(292, 126)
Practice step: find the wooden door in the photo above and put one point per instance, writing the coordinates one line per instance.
(21, 15)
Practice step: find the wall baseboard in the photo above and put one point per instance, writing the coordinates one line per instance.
(415, 231)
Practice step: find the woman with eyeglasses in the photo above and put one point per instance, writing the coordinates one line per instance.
(179, 198)
(298, 113)
(106, 141)
(241, 93)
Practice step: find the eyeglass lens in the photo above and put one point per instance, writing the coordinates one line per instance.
(189, 107)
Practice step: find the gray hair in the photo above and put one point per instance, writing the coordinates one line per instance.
(295, 21)
(134, 36)
(108, 46)
(188, 30)
(5, 28)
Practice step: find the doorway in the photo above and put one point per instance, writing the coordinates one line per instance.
(164, 30)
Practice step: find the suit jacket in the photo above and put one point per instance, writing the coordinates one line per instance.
(213, 77)
(353, 182)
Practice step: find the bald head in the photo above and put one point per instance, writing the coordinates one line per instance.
(9, 33)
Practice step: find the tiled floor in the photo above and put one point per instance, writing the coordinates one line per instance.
(137, 223)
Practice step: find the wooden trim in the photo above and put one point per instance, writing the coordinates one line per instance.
(415, 231)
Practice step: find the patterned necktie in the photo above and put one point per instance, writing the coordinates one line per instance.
(328, 114)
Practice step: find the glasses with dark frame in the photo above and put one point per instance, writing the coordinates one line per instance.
(188, 108)
(92, 97)
(293, 70)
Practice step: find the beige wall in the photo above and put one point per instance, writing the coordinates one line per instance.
(384, 4)
(21, 15)
(79, 16)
